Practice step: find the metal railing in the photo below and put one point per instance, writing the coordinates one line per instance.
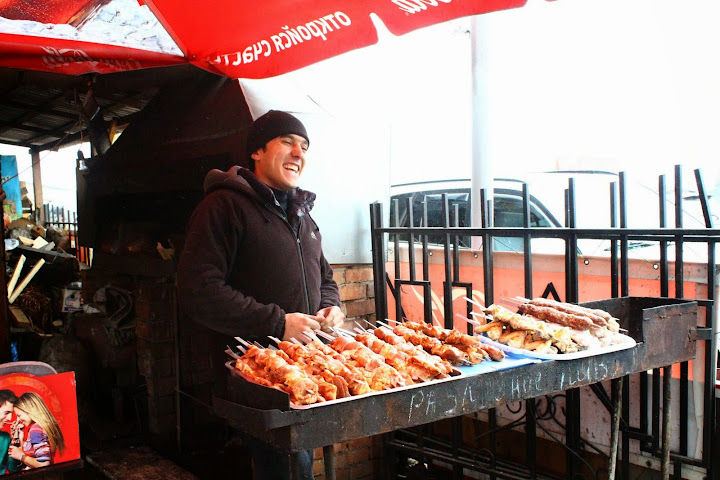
(66, 222)
(647, 432)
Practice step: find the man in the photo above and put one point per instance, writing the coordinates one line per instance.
(7, 403)
(253, 265)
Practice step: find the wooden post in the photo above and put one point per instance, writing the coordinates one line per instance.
(4, 311)
(37, 187)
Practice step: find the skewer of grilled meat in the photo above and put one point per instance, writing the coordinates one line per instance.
(416, 352)
(550, 314)
(598, 317)
(327, 389)
(266, 364)
(431, 344)
(474, 349)
(336, 363)
(400, 360)
(379, 375)
(317, 365)
(492, 329)
(560, 336)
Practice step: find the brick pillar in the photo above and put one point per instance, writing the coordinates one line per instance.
(359, 459)
(156, 325)
(357, 293)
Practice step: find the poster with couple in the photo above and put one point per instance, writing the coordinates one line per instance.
(38, 421)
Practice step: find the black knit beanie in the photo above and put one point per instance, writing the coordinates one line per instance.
(272, 125)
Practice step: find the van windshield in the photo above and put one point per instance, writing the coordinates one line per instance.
(427, 210)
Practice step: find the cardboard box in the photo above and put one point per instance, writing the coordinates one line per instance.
(72, 300)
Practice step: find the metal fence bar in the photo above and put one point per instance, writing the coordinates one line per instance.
(710, 347)
(679, 293)
(66, 221)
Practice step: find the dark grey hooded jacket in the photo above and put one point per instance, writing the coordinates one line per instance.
(245, 263)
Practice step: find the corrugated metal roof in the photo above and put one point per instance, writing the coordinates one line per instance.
(45, 111)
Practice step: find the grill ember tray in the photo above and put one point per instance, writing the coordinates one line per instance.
(664, 329)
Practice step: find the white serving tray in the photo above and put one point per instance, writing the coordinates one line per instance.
(627, 342)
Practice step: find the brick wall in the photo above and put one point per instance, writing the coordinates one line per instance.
(357, 293)
(359, 459)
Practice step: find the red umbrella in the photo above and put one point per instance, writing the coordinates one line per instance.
(239, 39)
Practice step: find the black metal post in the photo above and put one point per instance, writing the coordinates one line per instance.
(665, 457)
(614, 288)
(710, 345)
(527, 245)
(411, 239)
(617, 390)
(530, 418)
(329, 462)
(679, 293)
(379, 260)
(447, 285)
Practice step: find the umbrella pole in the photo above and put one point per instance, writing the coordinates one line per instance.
(482, 175)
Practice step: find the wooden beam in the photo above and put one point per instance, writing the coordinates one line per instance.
(5, 355)
(37, 186)
(59, 132)
(71, 139)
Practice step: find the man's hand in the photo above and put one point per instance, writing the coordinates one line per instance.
(297, 323)
(15, 452)
(17, 431)
(330, 317)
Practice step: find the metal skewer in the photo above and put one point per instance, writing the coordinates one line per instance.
(484, 315)
(311, 335)
(342, 331)
(386, 325)
(368, 323)
(471, 322)
(231, 353)
(325, 335)
(358, 326)
(477, 304)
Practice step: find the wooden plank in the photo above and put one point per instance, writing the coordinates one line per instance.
(139, 463)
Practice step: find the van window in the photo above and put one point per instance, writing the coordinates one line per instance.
(508, 212)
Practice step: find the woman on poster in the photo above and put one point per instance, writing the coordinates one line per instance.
(41, 436)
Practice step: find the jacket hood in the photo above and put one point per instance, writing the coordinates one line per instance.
(243, 180)
(230, 179)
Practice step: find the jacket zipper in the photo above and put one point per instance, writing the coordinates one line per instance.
(302, 266)
(300, 256)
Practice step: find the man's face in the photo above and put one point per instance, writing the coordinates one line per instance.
(282, 161)
(6, 412)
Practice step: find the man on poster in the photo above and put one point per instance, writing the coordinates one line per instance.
(8, 399)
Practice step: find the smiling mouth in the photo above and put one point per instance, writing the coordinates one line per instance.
(292, 168)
